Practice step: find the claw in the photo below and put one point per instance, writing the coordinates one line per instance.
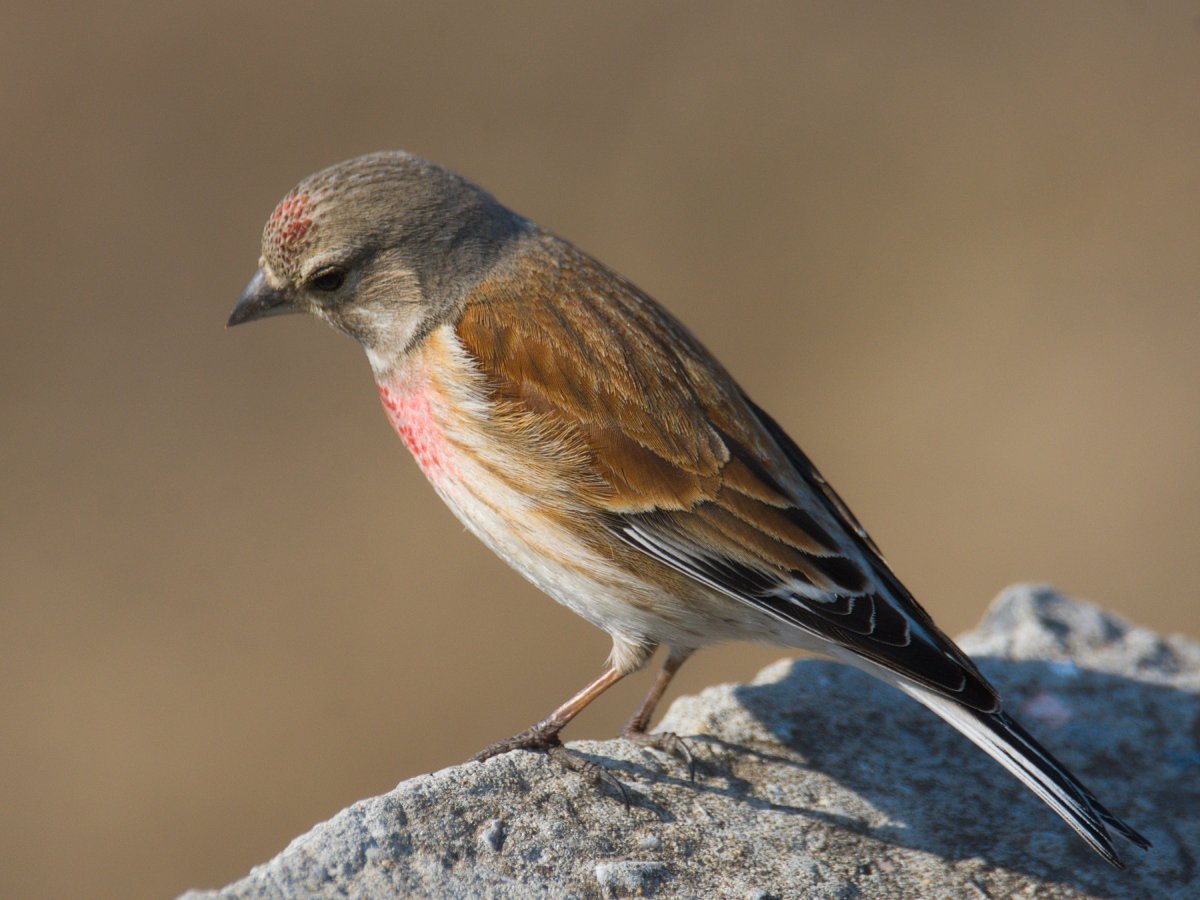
(544, 741)
(594, 772)
(667, 742)
(534, 738)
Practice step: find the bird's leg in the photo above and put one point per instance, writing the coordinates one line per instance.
(666, 741)
(544, 736)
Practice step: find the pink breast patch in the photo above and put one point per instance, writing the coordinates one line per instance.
(409, 408)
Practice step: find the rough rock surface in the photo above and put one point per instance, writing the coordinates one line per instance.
(814, 781)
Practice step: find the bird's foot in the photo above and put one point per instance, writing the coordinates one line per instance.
(544, 740)
(666, 742)
(537, 737)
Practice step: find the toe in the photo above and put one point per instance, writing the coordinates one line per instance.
(594, 772)
(667, 742)
(531, 739)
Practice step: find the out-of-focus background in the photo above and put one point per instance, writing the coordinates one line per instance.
(953, 248)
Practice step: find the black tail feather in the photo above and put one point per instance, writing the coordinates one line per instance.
(1052, 781)
(1002, 738)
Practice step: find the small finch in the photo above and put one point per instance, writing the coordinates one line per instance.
(588, 439)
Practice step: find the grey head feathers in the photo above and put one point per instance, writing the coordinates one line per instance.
(363, 243)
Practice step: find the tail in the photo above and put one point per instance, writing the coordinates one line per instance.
(1009, 744)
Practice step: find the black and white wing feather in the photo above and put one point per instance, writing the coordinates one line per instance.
(840, 590)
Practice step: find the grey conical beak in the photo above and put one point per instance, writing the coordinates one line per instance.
(258, 301)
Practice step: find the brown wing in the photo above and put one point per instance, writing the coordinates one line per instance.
(687, 469)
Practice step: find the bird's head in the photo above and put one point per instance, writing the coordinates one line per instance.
(383, 247)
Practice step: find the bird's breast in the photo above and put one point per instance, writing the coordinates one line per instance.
(510, 499)
(409, 399)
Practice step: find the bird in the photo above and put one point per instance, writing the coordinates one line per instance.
(591, 441)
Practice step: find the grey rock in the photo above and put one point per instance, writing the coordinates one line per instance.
(621, 879)
(494, 835)
(649, 842)
(814, 781)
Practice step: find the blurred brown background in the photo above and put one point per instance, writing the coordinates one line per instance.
(954, 248)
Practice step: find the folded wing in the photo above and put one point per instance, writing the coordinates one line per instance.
(689, 471)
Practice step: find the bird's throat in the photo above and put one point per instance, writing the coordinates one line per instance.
(410, 399)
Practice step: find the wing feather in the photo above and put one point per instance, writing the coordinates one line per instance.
(687, 470)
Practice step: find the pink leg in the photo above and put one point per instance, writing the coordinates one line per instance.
(635, 729)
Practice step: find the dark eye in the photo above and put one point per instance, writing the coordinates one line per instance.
(328, 280)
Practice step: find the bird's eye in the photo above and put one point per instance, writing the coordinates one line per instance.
(328, 280)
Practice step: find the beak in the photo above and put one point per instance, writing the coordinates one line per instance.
(258, 301)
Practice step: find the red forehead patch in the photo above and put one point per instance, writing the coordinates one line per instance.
(290, 225)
